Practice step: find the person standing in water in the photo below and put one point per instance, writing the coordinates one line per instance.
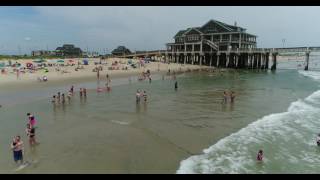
(17, 148)
(318, 140)
(260, 155)
(138, 96)
(69, 95)
(72, 89)
(85, 92)
(225, 97)
(98, 74)
(176, 85)
(108, 78)
(63, 99)
(232, 96)
(53, 101)
(31, 134)
(58, 97)
(80, 92)
(145, 96)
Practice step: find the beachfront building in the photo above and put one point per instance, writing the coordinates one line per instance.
(215, 43)
(120, 50)
(42, 53)
(68, 50)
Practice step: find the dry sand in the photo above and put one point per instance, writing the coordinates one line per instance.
(87, 74)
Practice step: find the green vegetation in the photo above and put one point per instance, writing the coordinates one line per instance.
(15, 57)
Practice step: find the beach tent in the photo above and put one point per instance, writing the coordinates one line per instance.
(60, 61)
(2, 65)
(85, 62)
(53, 61)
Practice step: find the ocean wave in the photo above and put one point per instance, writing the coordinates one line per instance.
(287, 139)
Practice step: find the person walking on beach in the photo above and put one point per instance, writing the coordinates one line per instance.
(17, 148)
(260, 155)
(31, 134)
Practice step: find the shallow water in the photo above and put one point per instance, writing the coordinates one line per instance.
(109, 133)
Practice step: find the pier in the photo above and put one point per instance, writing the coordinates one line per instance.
(220, 45)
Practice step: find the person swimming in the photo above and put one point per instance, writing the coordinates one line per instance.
(260, 155)
(318, 140)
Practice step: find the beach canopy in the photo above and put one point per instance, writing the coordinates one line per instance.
(39, 61)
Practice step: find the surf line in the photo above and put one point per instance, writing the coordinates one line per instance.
(170, 142)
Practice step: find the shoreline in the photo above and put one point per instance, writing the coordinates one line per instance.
(10, 80)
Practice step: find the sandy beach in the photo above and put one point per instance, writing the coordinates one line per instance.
(10, 78)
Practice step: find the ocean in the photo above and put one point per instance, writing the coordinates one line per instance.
(183, 131)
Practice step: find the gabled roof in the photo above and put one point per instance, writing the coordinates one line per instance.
(180, 33)
(225, 26)
(194, 28)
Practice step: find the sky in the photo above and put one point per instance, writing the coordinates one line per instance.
(102, 29)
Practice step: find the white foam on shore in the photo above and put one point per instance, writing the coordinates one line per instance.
(287, 137)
